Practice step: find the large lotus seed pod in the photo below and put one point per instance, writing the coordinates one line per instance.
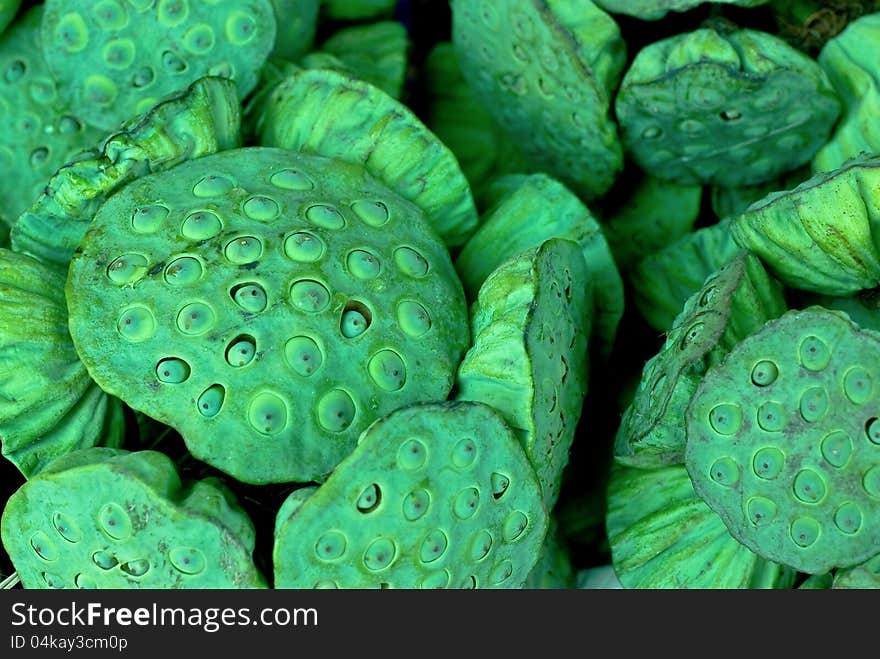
(546, 70)
(104, 518)
(662, 535)
(732, 304)
(728, 202)
(436, 495)
(728, 109)
(8, 9)
(356, 9)
(115, 60)
(662, 281)
(268, 305)
(529, 354)
(296, 23)
(864, 576)
(329, 114)
(652, 10)
(38, 132)
(49, 406)
(204, 119)
(597, 578)
(526, 210)
(852, 65)
(554, 569)
(822, 236)
(784, 442)
(655, 214)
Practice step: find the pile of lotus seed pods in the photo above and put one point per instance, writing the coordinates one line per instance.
(417, 294)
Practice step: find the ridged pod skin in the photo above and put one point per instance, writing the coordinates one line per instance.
(436, 495)
(732, 304)
(784, 438)
(296, 23)
(530, 328)
(652, 10)
(327, 113)
(117, 60)
(728, 109)
(268, 305)
(546, 70)
(112, 519)
(824, 235)
(204, 119)
(348, 10)
(49, 406)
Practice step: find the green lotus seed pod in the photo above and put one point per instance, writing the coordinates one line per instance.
(662, 535)
(417, 504)
(546, 71)
(783, 437)
(296, 23)
(118, 60)
(850, 61)
(281, 377)
(732, 304)
(524, 211)
(49, 406)
(529, 357)
(348, 10)
(662, 281)
(105, 518)
(864, 576)
(38, 131)
(652, 10)
(8, 9)
(554, 569)
(823, 235)
(728, 109)
(727, 202)
(326, 113)
(597, 578)
(204, 119)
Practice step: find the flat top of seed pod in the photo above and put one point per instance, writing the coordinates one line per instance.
(116, 59)
(330, 114)
(546, 71)
(268, 305)
(104, 518)
(436, 495)
(729, 109)
(652, 10)
(784, 441)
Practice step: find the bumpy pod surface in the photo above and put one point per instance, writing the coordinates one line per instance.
(268, 305)
(823, 235)
(8, 9)
(115, 60)
(49, 406)
(784, 441)
(296, 22)
(104, 518)
(732, 304)
(330, 114)
(203, 119)
(652, 10)
(865, 576)
(546, 70)
(436, 495)
(729, 109)
(530, 327)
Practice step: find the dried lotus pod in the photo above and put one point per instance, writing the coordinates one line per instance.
(730, 109)
(49, 406)
(435, 495)
(296, 22)
(105, 518)
(864, 576)
(546, 70)
(784, 441)
(268, 305)
(8, 9)
(356, 9)
(652, 10)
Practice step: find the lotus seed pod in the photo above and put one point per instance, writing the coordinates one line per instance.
(783, 441)
(654, 215)
(105, 518)
(49, 406)
(284, 302)
(348, 10)
(597, 578)
(864, 576)
(8, 9)
(728, 202)
(526, 210)
(852, 65)
(662, 535)
(662, 281)
(732, 304)
(117, 60)
(729, 109)
(546, 71)
(435, 495)
(652, 10)
(823, 235)
(529, 354)
(327, 113)
(38, 131)
(204, 119)
(554, 569)
(296, 23)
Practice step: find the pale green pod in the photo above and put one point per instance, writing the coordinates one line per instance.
(652, 10)
(296, 23)
(865, 576)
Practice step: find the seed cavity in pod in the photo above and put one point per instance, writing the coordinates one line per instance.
(213, 185)
(43, 546)
(652, 132)
(199, 39)
(379, 554)
(858, 385)
(848, 518)
(244, 249)
(836, 448)
(136, 324)
(362, 264)
(69, 125)
(309, 296)
(433, 546)
(148, 219)
(196, 318)
(211, 400)
(413, 318)
(730, 115)
(814, 404)
(188, 560)
(416, 504)
(387, 370)
(240, 28)
(172, 370)
(369, 499)
(267, 413)
(481, 545)
(692, 334)
(304, 355)
(410, 262)
(814, 353)
(374, 213)
(764, 373)
(500, 484)
(872, 429)
(114, 521)
(291, 179)
(435, 581)
(771, 416)
(127, 268)
(412, 455)
(241, 351)
(725, 419)
(143, 77)
(15, 71)
(52, 580)
(469, 583)
(136, 568)
(325, 216)
(110, 15)
(724, 471)
(261, 208)
(325, 584)
(501, 572)
(304, 247)
(464, 453)
(768, 462)
(222, 70)
(39, 156)
(514, 526)
(72, 33)
(250, 296)
(760, 510)
(183, 271)
(466, 503)
(173, 63)
(809, 487)
(201, 225)
(104, 560)
(336, 410)
(172, 13)
(331, 546)
(99, 90)
(66, 527)
(84, 582)
(356, 319)
(119, 53)
(805, 531)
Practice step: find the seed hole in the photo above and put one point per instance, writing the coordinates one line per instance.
(369, 499)
(730, 115)
(241, 351)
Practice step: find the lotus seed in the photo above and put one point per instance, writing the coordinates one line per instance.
(303, 355)
(241, 352)
(304, 247)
